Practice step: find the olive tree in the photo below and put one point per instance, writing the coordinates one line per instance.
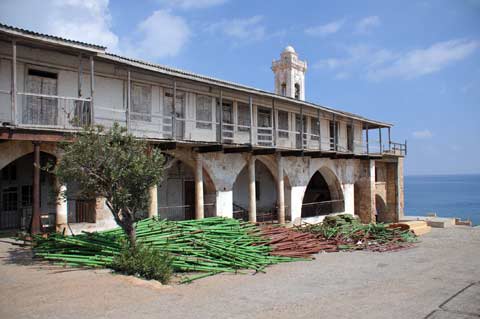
(112, 164)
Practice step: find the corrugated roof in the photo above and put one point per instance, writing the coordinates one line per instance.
(22, 32)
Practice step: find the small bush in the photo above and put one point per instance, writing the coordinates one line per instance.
(143, 261)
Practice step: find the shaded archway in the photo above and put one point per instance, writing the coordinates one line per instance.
(266, 193)
(176, 192)
(381, 210)
(16, 192)
(323, 195)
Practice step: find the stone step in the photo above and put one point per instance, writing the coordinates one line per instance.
(419, 227)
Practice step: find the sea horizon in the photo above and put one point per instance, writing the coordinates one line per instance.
(447, 195)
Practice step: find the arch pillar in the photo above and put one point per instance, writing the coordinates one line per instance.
(224, 203)
(280, 191)
(296, 202)
(199, 204)
(252, 202)
(61, 209)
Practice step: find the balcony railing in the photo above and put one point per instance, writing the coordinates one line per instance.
(42, 110)
(35, 110)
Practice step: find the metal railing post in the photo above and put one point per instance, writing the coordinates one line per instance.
(250, 102)
(174, 114)
(274, 123)
(92, 89)
(380, 138)
(129, 99)
(14, 83)
(221, 117)
(368, 146)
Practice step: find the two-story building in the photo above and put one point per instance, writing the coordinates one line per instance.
(232, 150)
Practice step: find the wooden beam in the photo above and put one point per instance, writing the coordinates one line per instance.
(264, 151)
(317, 154)
(166, 146)
(209, 148)
(243, 149)
(292, 153)
(30, 135)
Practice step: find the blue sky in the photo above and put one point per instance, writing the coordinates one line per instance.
(413, 63)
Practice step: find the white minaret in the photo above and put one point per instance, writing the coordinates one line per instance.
(290, 74)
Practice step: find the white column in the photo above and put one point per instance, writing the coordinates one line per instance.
(199, 213)
(349, 199)
(372, 191)
(153, 204)
(296, 200)
(252, 202)
(61, 213)
(280, 191)
(224, 204)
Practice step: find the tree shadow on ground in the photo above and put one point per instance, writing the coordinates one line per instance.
(17, 252)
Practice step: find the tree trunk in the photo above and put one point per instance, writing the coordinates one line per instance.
(129, 230)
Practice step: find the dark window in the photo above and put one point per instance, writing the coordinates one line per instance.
(43, 74)
(333, 135)
(243, 115)
(9, 199)
(350, 138)
(141, 102)
(27, 195)
(315, 129)
(283, 124)
(284, 89)
(297, 91)
(257, 190)
(9, 172)
(204, 111)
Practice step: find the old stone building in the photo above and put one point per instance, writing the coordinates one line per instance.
(233, 150)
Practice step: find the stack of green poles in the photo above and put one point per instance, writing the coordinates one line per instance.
(211, 245)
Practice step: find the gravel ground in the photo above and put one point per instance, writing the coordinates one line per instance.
(436, 279)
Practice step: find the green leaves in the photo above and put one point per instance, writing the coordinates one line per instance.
(112, 164)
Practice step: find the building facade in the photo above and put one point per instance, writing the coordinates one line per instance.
(232, 150)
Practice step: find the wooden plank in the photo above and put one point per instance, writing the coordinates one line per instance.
(209, 148)
(264, 151)
(243, 149)
(29, 135)
(298, 153)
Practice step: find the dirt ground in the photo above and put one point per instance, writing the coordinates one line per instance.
(437, 279)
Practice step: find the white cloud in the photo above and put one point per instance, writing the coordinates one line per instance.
(377, 64)
(248, 29)
(420, 62)
(82, 20)
(162, 34)
(367, 24)
(423, 134)
(325, 29)
(191, 4)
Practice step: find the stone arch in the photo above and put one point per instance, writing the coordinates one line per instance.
(266, 191)
(176, 192)
(13, 150)
(381, 209)
(16, 191)
(323, 194)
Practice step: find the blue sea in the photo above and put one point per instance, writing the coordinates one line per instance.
(446, 195)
